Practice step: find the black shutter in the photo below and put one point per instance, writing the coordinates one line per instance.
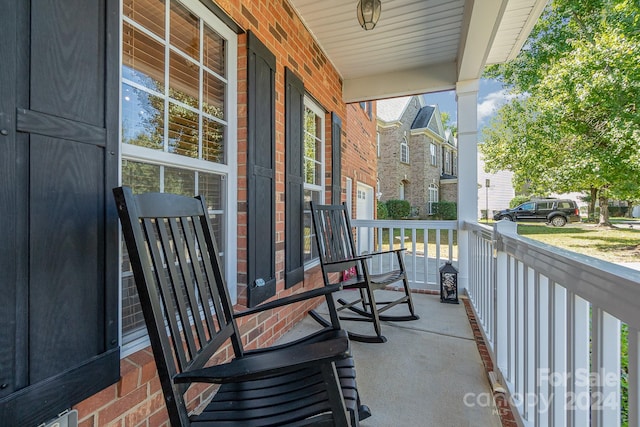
(261, 193)
(58, 163)
(294, 186)
(336, 156)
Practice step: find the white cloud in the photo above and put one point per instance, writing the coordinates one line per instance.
(490, 103)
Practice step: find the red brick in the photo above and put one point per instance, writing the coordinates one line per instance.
(160, 418)
(129, 377)
(96, 402)
(89, 422)
(121, 406)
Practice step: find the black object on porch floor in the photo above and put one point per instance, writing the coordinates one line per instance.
(189, 316)
(337, 252)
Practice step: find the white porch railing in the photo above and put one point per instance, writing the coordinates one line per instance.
(552, 319)
(563, 329)
(429, 245)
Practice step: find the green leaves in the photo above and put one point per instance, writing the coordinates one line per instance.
(576, 123)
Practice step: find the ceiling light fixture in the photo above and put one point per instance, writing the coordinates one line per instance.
(368, 13)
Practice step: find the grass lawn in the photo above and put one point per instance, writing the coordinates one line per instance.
(620, 243)
(420, 246)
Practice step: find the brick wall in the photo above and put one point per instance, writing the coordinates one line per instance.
(359, 149)
(449, 192)
(137, 400)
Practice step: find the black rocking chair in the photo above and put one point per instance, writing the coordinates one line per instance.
(190, 318)
(338, 254)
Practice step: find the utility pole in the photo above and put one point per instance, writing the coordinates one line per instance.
(487, 183)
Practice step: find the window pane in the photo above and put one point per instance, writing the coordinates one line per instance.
(185, 30)
(142, 59)
(184, 80)
(214, 55)
(132, 318)
(213, 188)
(183, 131)
(309, 239)
(213, 141)
(141, 177)
(213, 91)
(179, 181)
(148, 13)
(142, 118)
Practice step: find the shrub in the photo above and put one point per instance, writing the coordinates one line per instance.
(381, 210)
(445, 210)
(398, 209)
(618, 210)
(518, 200)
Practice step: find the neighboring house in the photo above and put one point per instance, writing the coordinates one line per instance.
(417, 157)
(499, 192)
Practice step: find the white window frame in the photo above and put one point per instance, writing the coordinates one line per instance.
(228, 170)
(447, 161)
(319, 188)
(404, 151)
(433, 196)
(433, 151)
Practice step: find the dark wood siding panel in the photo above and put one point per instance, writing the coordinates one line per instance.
(67, 67)
(261, 202)
(59, 87)
(66, 251)
(336, 159)
(294, 185)
(9, 260)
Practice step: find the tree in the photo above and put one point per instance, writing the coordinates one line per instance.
(574, 125)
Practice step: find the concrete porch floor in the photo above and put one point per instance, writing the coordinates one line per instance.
(428, 373)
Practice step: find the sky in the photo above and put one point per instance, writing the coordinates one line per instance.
(491, 95)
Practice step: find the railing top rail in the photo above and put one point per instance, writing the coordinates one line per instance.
(405, 223)
(475, 227)
(611, 287)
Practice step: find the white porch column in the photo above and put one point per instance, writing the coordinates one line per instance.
(467, 97)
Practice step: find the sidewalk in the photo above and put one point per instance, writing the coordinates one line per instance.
(428, 374)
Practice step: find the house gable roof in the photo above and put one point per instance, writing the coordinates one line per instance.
(392, 109)
(429, 117)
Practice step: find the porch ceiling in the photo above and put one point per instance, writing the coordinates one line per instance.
(418, 46)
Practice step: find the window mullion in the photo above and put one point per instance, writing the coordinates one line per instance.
(167, 56)
(200, 91)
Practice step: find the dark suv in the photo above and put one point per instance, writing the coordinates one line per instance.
(554, 211)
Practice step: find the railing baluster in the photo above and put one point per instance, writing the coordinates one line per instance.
(529, 344)
(558, 356)
(633, 404)
(578, 359)
(425, 259)
(543, 389)
(605, 366)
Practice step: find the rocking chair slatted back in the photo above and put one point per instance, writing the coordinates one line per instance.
(337, 253)
(190, 320)
(333, 234)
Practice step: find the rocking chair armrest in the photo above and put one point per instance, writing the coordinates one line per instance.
(298, 297)
(263, 365)
(390, 251)
(354, 258)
